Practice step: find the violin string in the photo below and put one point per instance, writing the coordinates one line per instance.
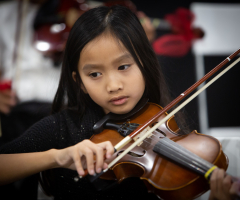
(195, 158)
(185, 151)
(173, 146)
(182, 159)
(189, 156)
(185, 154)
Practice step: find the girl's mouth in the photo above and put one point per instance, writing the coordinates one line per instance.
(119, 100)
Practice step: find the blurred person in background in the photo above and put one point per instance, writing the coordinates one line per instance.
(28, 82)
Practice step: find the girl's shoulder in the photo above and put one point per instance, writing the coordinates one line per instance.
(76, 126)
(73, 118)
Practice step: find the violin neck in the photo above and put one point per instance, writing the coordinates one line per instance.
(182, 156)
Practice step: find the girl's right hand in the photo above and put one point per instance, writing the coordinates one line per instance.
(85, 155)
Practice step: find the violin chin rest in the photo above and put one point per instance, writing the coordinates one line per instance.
(100, 125)
(101, 184)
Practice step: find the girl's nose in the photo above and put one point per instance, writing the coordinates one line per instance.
(114, 85)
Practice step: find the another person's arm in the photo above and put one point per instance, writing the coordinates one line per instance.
(147, 26)
(8, 99)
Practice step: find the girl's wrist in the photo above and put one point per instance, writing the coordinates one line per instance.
(53, 156)
(59, 157)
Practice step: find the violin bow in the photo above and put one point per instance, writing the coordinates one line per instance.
(141, 129)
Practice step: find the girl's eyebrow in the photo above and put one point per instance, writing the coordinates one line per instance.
(88, 67)
(117, 60)
(122, 58)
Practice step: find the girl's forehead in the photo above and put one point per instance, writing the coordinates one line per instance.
(104, 48)
(106, 40)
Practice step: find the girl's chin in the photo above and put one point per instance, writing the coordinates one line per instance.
(119, 111)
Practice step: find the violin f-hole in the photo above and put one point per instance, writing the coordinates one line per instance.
(134, 154)
(159, 131)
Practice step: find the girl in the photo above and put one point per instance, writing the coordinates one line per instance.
(108, 66)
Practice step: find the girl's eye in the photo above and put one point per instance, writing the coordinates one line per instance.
(123, 67)
(95, 74)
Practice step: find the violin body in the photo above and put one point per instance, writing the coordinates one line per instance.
(162, 176)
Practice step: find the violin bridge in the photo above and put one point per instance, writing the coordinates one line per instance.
(141, 134)
(149, 135)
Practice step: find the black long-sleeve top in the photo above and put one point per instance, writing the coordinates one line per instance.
(62, 130)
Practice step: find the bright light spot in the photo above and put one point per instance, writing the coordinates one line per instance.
(42, 46)
(56, 28)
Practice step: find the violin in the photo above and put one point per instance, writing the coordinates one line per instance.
(156, 159)
(148, 145)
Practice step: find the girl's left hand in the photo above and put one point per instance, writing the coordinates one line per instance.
(222, 187)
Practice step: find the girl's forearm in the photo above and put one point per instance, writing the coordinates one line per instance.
(16, 166)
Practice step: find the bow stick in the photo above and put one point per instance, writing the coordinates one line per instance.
(133, 135)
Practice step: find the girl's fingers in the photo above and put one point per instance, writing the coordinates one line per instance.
(227, 182)
(220, 176)
(99, 158)
(99, 151)
(78, 163)
(213, 181)
(235, 189)
(105, 165)
(91, 153)
(90, 160)
(108, 147)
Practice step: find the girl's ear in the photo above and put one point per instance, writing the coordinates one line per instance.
(74, 75)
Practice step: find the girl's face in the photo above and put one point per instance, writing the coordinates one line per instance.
(110, 75)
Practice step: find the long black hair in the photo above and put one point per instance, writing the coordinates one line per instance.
(124, 26)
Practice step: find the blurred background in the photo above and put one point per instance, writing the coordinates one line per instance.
(190, 38)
